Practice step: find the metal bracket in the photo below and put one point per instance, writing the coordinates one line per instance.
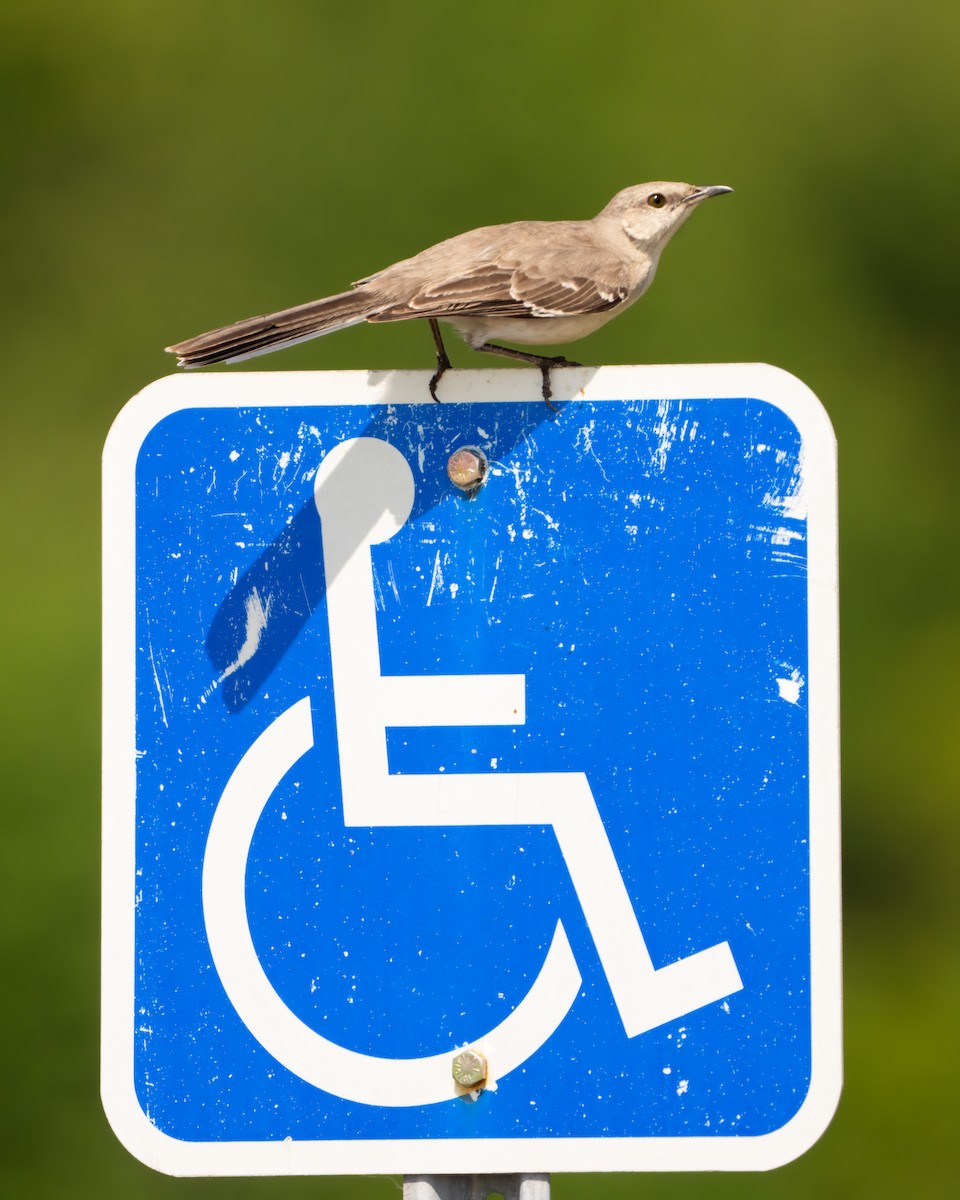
(476, 1187)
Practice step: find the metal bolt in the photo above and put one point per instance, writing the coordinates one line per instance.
(467, 469)
(469, 1068)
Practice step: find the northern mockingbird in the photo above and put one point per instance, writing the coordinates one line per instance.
(530, 282)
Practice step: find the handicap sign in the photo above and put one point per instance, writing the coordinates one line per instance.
(545, 777)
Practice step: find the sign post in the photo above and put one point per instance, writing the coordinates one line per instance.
(471, 834)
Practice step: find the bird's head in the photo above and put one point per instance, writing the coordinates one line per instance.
(650, 213)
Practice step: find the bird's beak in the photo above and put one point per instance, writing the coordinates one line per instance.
(701, 193)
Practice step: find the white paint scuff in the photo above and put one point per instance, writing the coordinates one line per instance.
(257, 614)
(791, 686)
(672, 426)
(436, 579)
(791, 501)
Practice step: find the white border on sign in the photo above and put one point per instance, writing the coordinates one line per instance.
(458, 1155)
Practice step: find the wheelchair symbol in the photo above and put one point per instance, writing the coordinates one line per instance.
(364, 493)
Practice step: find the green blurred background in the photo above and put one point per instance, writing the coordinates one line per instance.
(173, 166)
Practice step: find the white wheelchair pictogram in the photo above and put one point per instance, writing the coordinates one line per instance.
(364, 492)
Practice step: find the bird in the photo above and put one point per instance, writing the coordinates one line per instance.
(531, 283)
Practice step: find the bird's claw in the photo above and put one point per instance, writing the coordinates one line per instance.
(545, 367)
(546, 390)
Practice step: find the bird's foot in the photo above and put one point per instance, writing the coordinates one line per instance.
(536, 360)
(545, 365)
(546, 390)
(442, 368)
(443, 362)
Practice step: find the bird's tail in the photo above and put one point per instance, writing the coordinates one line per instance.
(260, 335)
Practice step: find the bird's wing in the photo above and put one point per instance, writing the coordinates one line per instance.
(507, 276)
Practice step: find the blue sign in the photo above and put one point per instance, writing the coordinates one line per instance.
(547, 775)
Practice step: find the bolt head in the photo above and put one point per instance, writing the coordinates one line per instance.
(469, 1068)
(466, 468)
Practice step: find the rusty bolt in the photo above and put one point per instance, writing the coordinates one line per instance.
(470, 1068)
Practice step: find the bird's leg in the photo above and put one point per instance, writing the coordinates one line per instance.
(538, 360)
(443, 362)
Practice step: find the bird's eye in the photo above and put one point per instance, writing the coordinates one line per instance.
(657, 200)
